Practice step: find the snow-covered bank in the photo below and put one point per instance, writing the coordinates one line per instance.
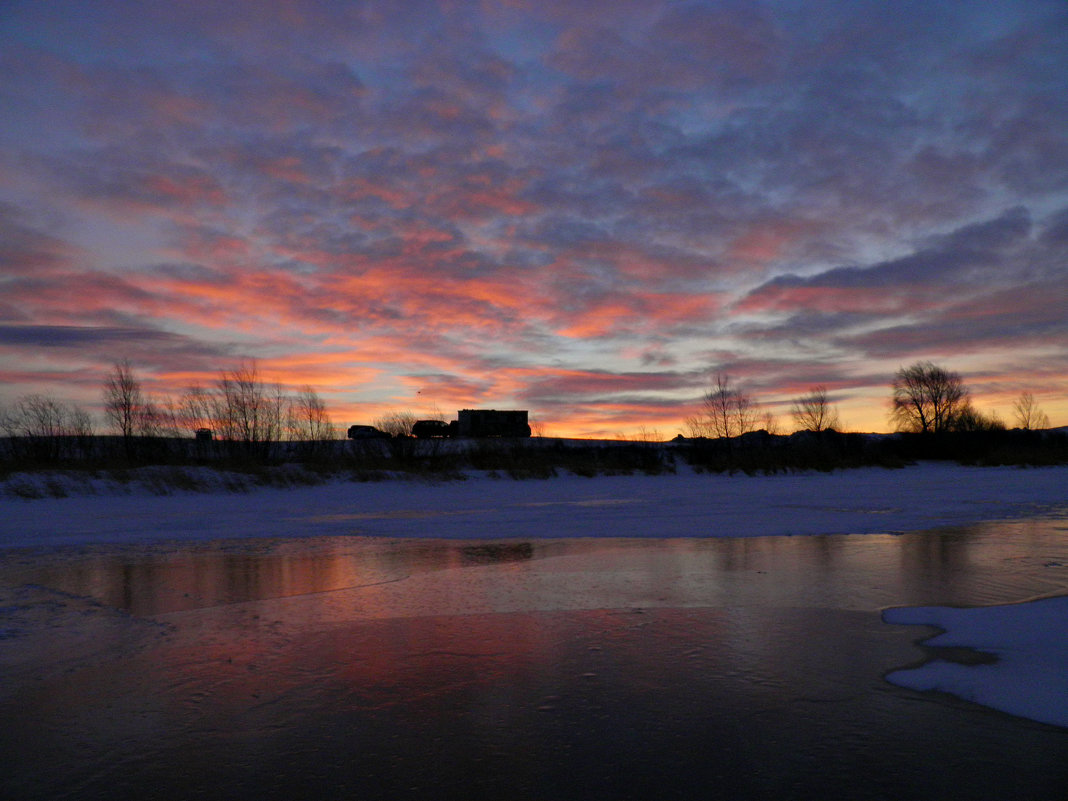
(1030, 640)
(867, 500)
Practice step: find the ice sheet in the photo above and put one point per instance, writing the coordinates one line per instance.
(550, 668)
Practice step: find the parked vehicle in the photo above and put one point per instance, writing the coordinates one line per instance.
(366, 432)
(492, 423)
(476, 423)
(426, 429)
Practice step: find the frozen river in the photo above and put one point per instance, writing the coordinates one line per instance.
(352, 667)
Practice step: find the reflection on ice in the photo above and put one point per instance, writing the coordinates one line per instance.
(1029, 677)
(592, 669)
(342, 578)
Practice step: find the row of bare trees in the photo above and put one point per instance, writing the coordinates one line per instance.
(728, 411)
(926, 398)
(930, 399)
(241, 407)
(46, 429)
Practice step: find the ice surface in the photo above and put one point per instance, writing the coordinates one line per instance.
(862, 501)
(570, 638)
(1030, 641)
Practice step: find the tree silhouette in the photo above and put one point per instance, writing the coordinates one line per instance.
(195, 409)
(1027, 413)
(968, 418)
(46, 429)
(396, 424)
(813, 412)
(309, 420)
(124, 401)
(927, 398)
(726, 411)
(248, 411)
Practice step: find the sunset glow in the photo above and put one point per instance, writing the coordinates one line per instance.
(583, 210)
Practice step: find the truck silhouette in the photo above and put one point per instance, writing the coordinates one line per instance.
(492, 423)
(476, 423)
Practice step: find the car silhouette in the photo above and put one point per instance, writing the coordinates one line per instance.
(366, 432)
(424, 429)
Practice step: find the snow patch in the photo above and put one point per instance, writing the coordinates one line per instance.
(861, 501)
(1030, 640)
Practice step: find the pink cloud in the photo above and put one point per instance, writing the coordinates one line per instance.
(638, 312)
(828, 299)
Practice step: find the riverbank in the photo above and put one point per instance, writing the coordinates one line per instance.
(477, 505)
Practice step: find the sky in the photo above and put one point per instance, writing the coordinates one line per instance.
(586, 210)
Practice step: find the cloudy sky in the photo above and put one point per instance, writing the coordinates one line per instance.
(584, 209)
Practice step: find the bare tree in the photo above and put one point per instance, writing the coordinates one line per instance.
(927, 398)
(40, 416)
(396, 424)
(124, 402)
(813, 412)
(79, 424)
(537, 427)
(770, 423)
(135, 413)
(248, 411)
(726, 411)
(309, 419)
(166, 418)
(647, 436)
(968, 418)
(1027, 413)
(46, 427)
(195, 409)
(696, 426)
